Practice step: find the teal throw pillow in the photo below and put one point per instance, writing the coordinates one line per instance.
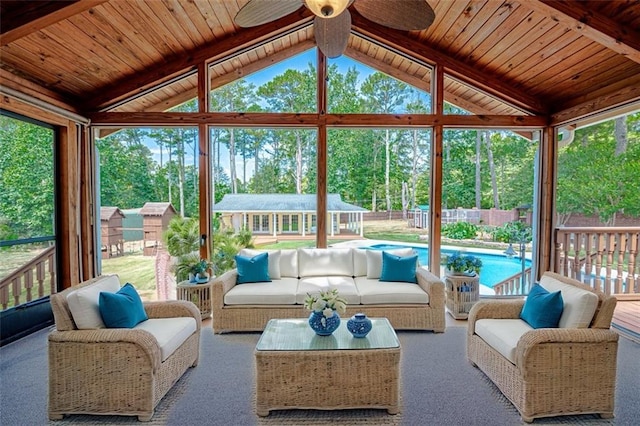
(542, 309)
(253, 269)
(399, 268)
(122, 309)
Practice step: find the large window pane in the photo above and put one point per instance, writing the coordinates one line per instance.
(27, 209)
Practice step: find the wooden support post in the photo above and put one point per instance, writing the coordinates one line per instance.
(321, 170)
(435, 199)
(204, 164)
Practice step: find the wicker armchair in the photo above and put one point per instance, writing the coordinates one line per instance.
(557, 371)
(118, 370)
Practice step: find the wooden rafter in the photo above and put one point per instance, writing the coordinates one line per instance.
(128, 86)
(401, 42)
(26, 17)
(312, 120)
(577, 16)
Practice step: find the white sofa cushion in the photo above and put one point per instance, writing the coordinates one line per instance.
(360, 262)
(579, 305)
(279, 292)
(289, 263)
(313, 285)
(84, 302)
(318, 262)
(502, 335)
(375, 292)
(374, 260)
(273, 259)
(169, 332)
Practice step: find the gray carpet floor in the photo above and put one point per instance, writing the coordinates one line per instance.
(439, 387)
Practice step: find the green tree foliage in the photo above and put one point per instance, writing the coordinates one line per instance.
(594, 179)
(460, 230)
(26, 179)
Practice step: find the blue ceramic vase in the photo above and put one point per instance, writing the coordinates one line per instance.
(359, 325)
(322, 325)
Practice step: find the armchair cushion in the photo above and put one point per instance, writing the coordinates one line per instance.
(122, 309)
(170, 333)
(542, 309)
(253, 269)
(502, 335)
(83, 302)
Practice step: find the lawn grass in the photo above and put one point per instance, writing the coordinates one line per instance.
(136, 269)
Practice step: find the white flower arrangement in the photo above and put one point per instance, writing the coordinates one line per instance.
(326, 302)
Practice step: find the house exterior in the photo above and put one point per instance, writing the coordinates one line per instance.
(288, 214)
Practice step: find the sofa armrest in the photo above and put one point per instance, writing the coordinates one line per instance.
(221, 285)
(583, 345)
(84, 343)
(432, 285)
(173, 309)
(493, 309)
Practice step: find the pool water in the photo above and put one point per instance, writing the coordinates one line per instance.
(495, 268)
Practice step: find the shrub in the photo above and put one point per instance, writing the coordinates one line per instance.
(460, 230)
(512, 232)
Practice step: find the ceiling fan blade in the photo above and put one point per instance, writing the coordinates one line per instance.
(332, 34)
(258, 12)
(402, 15)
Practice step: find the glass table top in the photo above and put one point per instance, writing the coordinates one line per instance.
(296, 335)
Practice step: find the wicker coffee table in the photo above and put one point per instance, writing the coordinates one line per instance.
(295, 369)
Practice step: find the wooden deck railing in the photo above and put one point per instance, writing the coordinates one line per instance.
(513, 286)
(604, 258)
(20, 287)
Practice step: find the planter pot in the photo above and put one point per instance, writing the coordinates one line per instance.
(459, 274)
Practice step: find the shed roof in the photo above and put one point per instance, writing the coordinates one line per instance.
(156, 209)
(106, 213)
(240, 203)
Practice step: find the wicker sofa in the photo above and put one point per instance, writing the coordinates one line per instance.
(123, 371)
(354, 272)
(549, 372)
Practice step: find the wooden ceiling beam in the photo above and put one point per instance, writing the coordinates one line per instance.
(579, 17)
(131, 86)
(613, 97)
(401, 42)
(21, 18)
(274, 120)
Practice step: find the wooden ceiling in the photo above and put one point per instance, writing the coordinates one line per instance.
(567, 60)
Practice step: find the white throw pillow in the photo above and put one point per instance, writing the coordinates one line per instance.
(374, 260)
(579, 305)
(273, 259)
(83, 303)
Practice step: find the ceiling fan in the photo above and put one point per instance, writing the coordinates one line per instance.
(332, 23)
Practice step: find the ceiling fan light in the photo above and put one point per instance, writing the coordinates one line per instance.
(327, 8)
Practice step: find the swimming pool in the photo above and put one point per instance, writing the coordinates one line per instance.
(495, 267)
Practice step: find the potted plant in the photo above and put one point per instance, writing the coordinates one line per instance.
(461, 264)
(190, 266)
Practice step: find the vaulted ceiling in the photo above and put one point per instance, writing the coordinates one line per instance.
(564, 59)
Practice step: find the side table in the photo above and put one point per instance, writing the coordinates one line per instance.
(198, 293)
(462, 293)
